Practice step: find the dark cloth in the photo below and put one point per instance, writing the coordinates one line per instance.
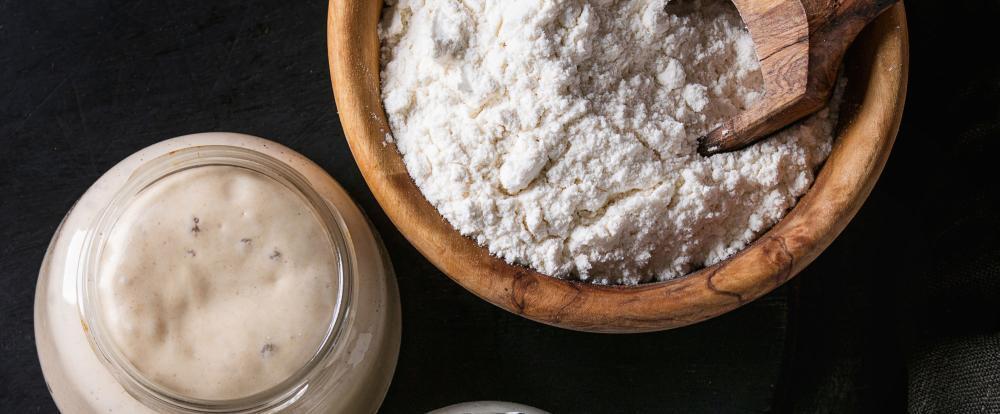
(952, 375)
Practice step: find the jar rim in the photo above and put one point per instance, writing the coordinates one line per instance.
(148, 174)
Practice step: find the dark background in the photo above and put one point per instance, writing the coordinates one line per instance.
(900, 313)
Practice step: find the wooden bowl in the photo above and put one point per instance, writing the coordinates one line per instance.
(877, 72)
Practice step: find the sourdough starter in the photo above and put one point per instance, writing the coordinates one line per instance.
(218, 282)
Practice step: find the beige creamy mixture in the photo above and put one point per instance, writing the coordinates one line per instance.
(218, 282)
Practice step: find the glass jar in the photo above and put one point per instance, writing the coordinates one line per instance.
(349, 371)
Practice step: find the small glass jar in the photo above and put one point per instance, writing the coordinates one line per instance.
(85, 371)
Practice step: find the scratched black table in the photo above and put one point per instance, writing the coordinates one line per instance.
(84, 84)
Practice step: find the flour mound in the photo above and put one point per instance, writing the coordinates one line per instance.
(561, 134)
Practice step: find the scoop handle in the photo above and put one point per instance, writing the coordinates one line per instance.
(800, 44)
(833, 26)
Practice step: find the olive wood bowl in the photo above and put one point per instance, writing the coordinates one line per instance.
(876, 68)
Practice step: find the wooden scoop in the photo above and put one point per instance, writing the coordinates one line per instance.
(800, 44)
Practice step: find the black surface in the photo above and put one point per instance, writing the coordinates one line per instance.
(895, 315)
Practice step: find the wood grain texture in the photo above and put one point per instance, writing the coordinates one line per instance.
(800, 44)
(870, 119)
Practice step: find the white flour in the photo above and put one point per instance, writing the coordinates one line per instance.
(561, 134)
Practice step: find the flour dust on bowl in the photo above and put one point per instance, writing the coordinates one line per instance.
(561, 141)
(216, 273)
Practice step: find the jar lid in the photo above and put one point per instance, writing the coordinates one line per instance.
(488, 407)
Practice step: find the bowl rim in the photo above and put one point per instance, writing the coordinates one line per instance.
(877, 67)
